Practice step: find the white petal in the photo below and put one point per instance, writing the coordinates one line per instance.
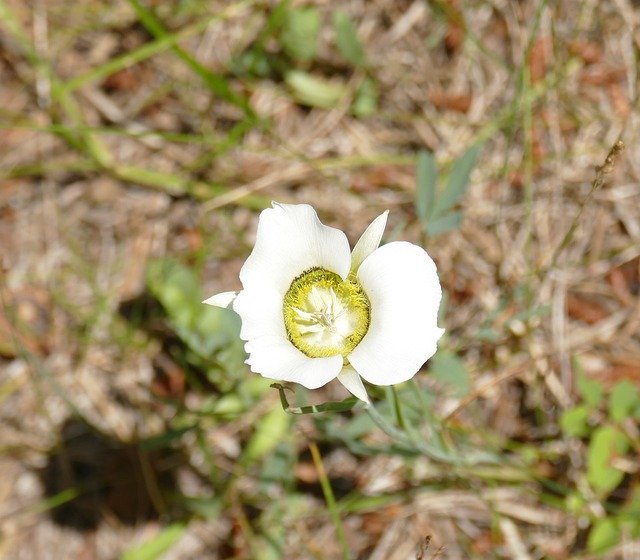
(260, 309)
(402, 284)
(224, 299)
(276, 358)
(291, 240)
(353, 382)
(369, 241)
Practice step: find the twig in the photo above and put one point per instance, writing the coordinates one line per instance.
(601, 172)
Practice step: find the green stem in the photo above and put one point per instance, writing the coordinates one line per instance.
(403, 438)
(392, 395)
(331, 500)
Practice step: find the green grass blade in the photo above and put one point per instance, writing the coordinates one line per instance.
(166, 438)
(216, 83)
(458, 180)
(130, 59)
(426, 177)
(331, 500)
(158, 545)
(444, 224)
(86, 143)
(56, 500)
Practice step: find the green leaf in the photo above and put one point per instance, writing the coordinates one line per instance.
(458, 180)
(622, 400)
(606, 444)
(591, 390)
(253, 62)
(176, 288)
(158, 545)
(271, 429)
(205, 329)
(164, 439)
(451, 371)
(575, 503)
(299, 36)
(574, 421)
(444, 224)
(347, 40)
(630, 512)
(366, 100)
(229, 405)
(313, 91)
(426, 177)
(209, 508)
(339, 406)
(357, 427)
(604, 534)
(279, 465)
(211, 334)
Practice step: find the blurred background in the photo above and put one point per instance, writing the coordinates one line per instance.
(139, 139)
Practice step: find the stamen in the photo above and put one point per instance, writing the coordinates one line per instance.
(325, 315)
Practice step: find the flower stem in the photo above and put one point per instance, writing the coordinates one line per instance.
(402, 437)
(331, 500)
(392, 395)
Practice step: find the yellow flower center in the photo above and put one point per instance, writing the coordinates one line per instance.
(325, 315)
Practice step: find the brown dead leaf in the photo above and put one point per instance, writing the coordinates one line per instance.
(566, 124)
(585, 309)
(516, 179)
(193, 237)
(459, 289)
(458, 102)
(601, 75)
(306, 472)
(538, 59)
(375, 522)
(619, 99)
(127, 79)
(381, 176)
(625, 281)
(169, 380)
(455, 31)
(483, 543)
(454, 38)
(623, 370)
(589, 52)
(537, 147)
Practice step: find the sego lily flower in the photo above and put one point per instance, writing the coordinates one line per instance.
(312, 311)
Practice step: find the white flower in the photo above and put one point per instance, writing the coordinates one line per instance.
(312, 311)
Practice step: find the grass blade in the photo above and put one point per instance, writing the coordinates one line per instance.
(426, 177)
(216, 83)
(131, 58)
(444, 224)
(330, 499)
(458, 180)
(158, 545)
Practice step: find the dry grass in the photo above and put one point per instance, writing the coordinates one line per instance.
(548, 87)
